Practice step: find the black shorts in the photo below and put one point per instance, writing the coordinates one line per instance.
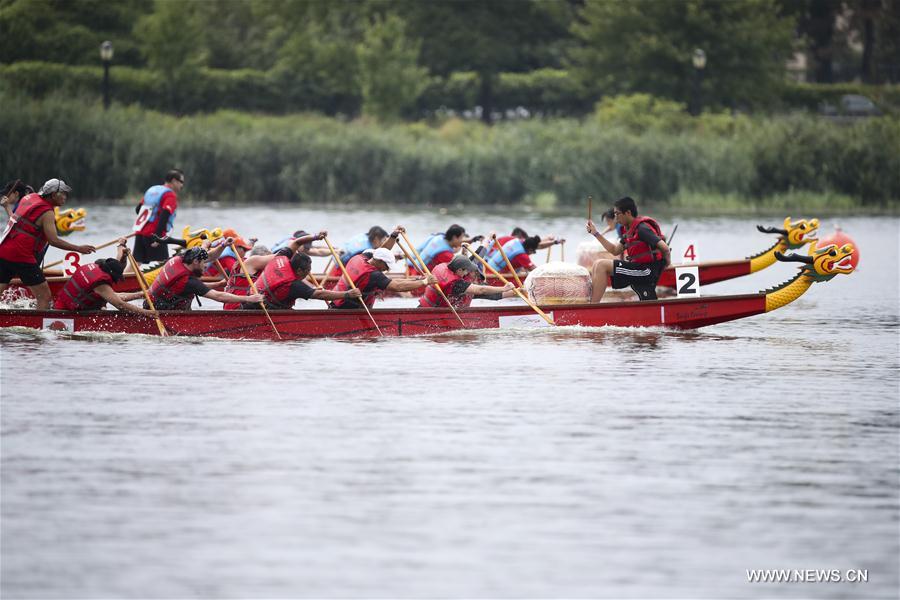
(641, 277)
(30, 274)
(144, 253)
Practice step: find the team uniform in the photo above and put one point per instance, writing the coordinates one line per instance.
(23, 243)
(157, 199)
(175, 287)
(367, 278)
(643, 263)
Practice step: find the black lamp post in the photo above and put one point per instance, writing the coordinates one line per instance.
(699, 61)
(106, 54)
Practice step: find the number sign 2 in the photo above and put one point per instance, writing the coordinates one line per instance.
(687, 281)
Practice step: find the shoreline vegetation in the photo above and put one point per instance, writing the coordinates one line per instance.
(637, 145)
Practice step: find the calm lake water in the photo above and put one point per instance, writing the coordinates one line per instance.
(577, 463)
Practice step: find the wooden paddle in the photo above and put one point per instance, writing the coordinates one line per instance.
(351, 284)
(508, 264)
(143, 283)
(101, 246)
(314, 280)
(254, 290)
(549, 248)
(426, 271)
(503, 279)
(562, 251)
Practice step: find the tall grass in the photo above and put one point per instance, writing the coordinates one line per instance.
(234, 156)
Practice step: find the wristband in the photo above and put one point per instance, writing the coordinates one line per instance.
(395, 235)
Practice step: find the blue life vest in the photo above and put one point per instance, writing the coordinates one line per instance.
(282, 243)
(434, 246)
(512, 248)
(152, 198)
(227, 252)
(355, 246)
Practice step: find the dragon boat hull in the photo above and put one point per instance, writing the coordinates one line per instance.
(299, 324)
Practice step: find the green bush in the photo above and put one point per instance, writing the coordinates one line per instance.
(308, 158)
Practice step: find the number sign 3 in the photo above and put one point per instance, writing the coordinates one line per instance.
(72, 261)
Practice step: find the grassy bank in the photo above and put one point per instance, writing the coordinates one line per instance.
(675, 159)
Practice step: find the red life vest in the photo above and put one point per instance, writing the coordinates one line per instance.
(168, 286)
(360, 271)
(275, 282)
(78, 293)
(446, 279)
(636, 250)
(237, 284)
(23, 240)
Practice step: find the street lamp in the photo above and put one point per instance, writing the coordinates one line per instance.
(699, 60)
(106, 54)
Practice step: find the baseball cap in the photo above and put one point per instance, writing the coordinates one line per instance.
(238, 240)
(384, 255)
(52, 186)
(461, 262)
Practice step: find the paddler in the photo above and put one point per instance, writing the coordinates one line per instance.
(30, 230)
(439, 248)
(368, 274)
(90, 288)
(646, 254)
(13, 192)
(281, 281)
(517, 251)
(156, 216)
(456, 280)
(307, 249)
(220, 253)
(179, 281)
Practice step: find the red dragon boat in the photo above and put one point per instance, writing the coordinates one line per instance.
(680, 313)
(793, 236)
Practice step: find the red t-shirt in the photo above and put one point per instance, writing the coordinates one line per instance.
(169, 202)
(522, 261)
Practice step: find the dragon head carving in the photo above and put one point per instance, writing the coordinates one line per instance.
(197, 236)
(795, 235)
(69, 220)
(823, 263)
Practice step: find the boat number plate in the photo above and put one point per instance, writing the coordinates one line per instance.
(687, 281)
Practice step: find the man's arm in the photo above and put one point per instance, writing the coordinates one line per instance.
(408, 285)
(392, 238)
(227, 297)
(47, 221)
(107, 293)
(614, 249)
(663, 247)
(332, 295)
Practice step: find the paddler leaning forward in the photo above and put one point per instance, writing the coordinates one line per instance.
(281, 281)
(90, 288)
(457, 280)
(179, 281)
(259, 258)
(368, 274)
